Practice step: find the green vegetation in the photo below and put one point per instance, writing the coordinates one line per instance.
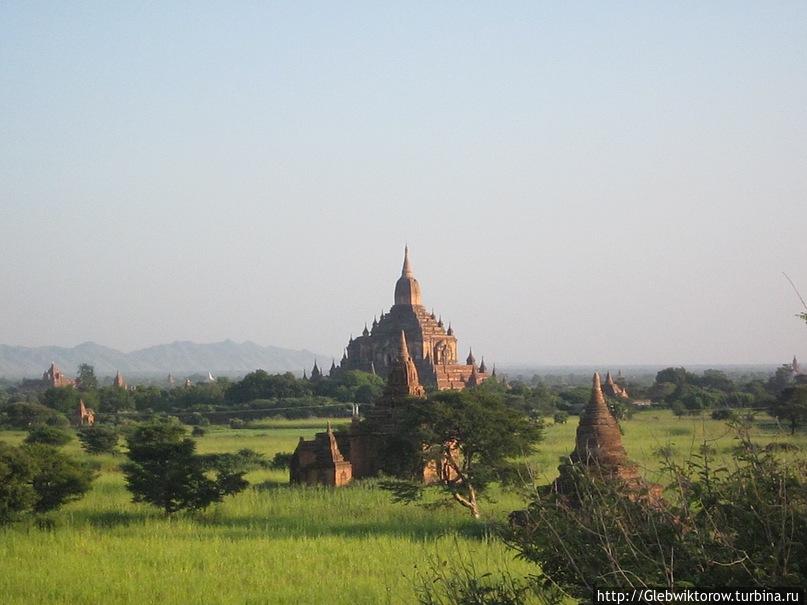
(282, 544)
(165, 470)
(38, 478)
(744, 524)
(470, 438)
(98, 439)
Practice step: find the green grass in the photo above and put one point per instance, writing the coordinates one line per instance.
(279, 544)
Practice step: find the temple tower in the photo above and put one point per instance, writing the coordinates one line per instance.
(403, 376)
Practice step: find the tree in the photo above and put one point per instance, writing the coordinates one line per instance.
(23, 415)
(58, 477)
(781, 379)
(98, 439)
(791, 405)
(164, 470)
(16, 491)
(48, 435)
(38, 478)
(63, 399)
(86, 378)
(471, 437)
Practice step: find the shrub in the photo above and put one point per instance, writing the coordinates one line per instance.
(99, 439)
(237, 423)
(48, 435)
(198, 431)
(561, 417)
(281, 460)
(197, 419)
(740, 527)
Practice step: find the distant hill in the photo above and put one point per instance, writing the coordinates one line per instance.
(180, 358)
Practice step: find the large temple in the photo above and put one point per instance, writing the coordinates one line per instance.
(432, 346)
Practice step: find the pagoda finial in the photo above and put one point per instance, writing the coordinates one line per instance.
(365, 332)
(482, 367)
(407, 265)
(450, 330)
(471, 361)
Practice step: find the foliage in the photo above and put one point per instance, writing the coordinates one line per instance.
(723, 527)
(58, 477)
(48, 435)
(560, 417)
(791, 405)
(38, 478)
(114, 399)
(164, 470)
(198, 431)
(281, 460)
(262, 385)
(86, 378)
(23, 415)
(781, 379)
(470, 438)
(99, 439)
(63, 399)
(16, 474)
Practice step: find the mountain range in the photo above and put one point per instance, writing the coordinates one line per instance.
(180, 358)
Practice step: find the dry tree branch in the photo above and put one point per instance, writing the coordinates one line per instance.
(796, 290)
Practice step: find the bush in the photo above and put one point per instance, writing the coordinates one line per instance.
(197, 419)
(48, 435)
(740, 527)
(281, 460)
(561, 417)
(198, 431)
(237, 423)
(99, 439)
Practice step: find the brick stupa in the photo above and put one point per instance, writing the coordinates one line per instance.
(599, 449)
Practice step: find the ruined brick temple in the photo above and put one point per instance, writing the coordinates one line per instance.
(336, 459)
(431, 345)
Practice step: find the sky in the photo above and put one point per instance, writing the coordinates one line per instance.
(578, 183)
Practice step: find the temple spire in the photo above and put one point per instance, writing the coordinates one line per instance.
(406, 271)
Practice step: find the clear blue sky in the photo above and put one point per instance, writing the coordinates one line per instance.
(588, 182)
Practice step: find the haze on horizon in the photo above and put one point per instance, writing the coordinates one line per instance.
(620, 183)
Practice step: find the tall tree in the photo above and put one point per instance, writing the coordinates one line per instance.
(791, 405)
(86, 378)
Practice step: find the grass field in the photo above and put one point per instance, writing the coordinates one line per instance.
(279, 544)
